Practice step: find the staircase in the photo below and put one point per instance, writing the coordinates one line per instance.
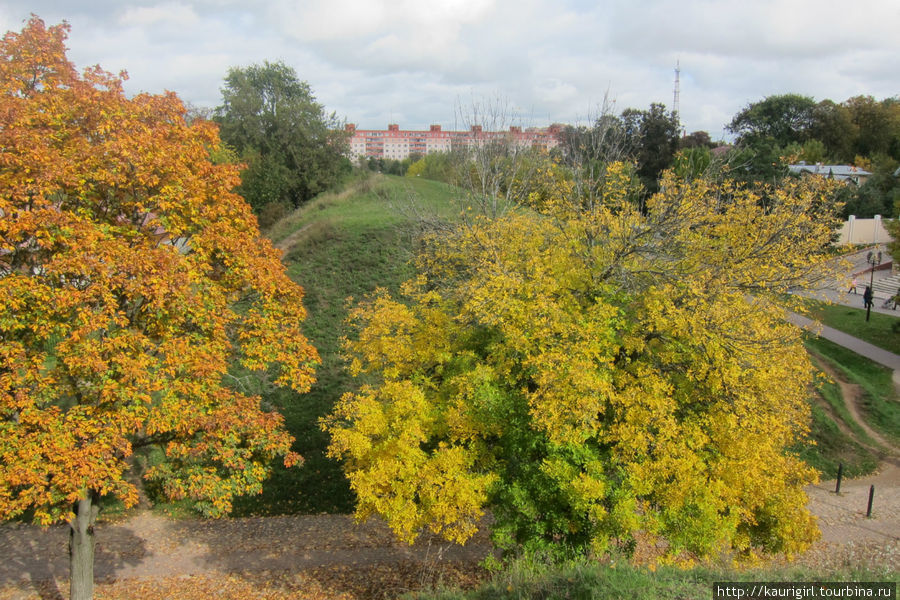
(886, 286)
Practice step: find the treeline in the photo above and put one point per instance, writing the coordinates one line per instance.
(291, 148)
(861, 131)
(770, 135)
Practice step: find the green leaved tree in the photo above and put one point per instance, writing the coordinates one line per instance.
(291, 147)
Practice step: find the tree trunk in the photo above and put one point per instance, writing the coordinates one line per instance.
(81, 548)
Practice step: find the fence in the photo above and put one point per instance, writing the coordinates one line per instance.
(863, 231)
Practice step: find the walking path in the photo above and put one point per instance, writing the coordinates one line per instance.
(150, 548)
(149, 544)
(837, 293)
(863, 348)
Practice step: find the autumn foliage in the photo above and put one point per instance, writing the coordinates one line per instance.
(132, 282)
(591, 372)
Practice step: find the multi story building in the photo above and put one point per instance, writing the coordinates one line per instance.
(397, 144)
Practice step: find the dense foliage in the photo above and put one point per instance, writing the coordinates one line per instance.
(587, 371)
(860, 126)
(292, 149)
(132, 279)
(654, 135)
(861, 131)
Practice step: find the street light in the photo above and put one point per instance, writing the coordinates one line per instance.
(873, 260)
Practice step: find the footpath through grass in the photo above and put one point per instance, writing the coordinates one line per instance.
(832, 446)
(349, 243)
(879, 407)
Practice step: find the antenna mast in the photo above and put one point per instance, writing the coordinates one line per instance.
(677, 95)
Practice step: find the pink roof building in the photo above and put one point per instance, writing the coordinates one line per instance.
(397, 144)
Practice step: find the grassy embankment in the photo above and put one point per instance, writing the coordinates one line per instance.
(340, 245)
(878, 404)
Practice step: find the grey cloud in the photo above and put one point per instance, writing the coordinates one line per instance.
(554, 61)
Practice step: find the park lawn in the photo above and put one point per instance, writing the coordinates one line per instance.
(879, 330)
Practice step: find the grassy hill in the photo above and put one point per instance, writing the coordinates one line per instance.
(346, 243)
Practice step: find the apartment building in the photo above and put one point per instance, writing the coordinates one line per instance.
(397, 144)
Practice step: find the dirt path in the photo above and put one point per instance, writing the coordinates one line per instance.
(151, 546)
(848, 537)
(148, 547)
(847, 534)
(852, 395)
(287, 243)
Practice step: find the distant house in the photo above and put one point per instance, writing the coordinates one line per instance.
(844, 173)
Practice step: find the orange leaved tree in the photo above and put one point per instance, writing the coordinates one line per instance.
(132, 280)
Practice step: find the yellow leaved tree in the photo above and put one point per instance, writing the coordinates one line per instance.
(586, 370)
(132, 279)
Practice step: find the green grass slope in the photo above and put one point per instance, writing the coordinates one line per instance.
(879, 407)
(340, 245)
(880, 330)
(587, 579)
(834, 445)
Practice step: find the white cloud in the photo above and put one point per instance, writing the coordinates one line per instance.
(325, 20)
(6, 22)
(168, 14)
(412, 59)
(352, 20)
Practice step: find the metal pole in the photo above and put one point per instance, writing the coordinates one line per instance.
(875, 224)
(871, 496)
(837, 488)
(871, 291)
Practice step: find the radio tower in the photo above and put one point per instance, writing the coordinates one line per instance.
(677, 95)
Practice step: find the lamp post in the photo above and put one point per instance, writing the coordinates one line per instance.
(873, 260)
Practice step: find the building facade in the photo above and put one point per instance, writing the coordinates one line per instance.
(394, 143)
(842, 173)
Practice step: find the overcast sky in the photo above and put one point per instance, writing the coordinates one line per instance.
(414, 62)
